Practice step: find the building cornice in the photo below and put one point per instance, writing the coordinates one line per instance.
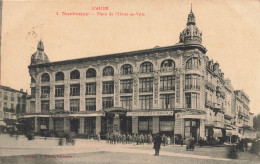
(124, 54)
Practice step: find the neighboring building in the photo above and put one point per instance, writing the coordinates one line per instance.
(243, 117)
(168, 90)
(12, 102)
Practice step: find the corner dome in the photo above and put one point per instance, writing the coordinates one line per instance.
(191, 34)
(39, 57)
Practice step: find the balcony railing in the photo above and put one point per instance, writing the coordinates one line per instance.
(196, 87)
(45, 95)
(210, 86)
(126, 90)
(241, 114)
(216, 106)
(209, 104)
(11, 110)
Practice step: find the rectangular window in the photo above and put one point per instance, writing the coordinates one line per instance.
(146, 85)
(90, 88)
(59, 104)
(107, 102)
(192, 82)
(74, 90)
(12, 96)
(45, 92)
(192, 100)
(5, 105)
(1, 94)
(146, 102)
(126, 86)
(167, 83)
(74, 105)
(33, 92)
(91, 104)
(126, 102)
(45, 106)
(167, 101)
(12, 106)
(108, 87)
(59, 91)
(5, 96)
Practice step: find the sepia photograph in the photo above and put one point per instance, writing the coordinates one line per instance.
(119, 81)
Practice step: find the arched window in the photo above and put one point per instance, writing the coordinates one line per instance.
(33, 80)
(193, 63)
(168, 65)
(91, 72)
(126, 69)
(59, 76)
(75, 75)
(108, 71)
(45, 77)
(146, 67)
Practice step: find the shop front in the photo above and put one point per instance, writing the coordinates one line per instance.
(166, 125)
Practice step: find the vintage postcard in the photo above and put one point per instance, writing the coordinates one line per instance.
(117, 81)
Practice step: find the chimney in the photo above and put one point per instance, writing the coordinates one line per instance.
(21, 90)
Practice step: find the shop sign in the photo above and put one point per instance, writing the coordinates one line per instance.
(166, 125)
(151, 113)
(193, 116)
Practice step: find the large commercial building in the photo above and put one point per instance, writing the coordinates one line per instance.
(169, 90)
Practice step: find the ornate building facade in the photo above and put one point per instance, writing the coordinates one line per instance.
(170, 90)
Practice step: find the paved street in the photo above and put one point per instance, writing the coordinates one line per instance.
(92, 151)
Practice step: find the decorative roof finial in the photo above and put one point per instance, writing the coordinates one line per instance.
(191, 18)
(191, 8)
(40, 46)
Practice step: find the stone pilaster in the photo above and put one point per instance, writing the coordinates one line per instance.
(156, 124)
(116, 91)
(36, 124)
(98, 125)
(66, 96)
(51, 127)
(202, 128)
(116, 123)
(66, 124)
(99, 93)
(52, 91)
(156, 80)
(81, 125)
(82, 95)
(38, 99)
(135, 125)
(135, 93)
(177, 125)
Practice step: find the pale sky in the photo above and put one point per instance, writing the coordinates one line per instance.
(230, 33)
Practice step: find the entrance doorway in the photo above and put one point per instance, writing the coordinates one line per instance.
(125, 125)
(192, 128)
(74, 125)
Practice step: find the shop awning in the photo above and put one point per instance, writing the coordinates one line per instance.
(228, 133)
(2, 123)
(193, 113)
(217, 132)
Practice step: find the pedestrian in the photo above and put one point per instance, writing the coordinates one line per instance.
(181, 141)
(168, 140)
(157, 144)
(200, 141)
(98, 136)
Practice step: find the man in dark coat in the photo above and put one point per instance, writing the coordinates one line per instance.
(157, 144)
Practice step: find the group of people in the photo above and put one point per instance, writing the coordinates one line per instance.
(137, 139)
